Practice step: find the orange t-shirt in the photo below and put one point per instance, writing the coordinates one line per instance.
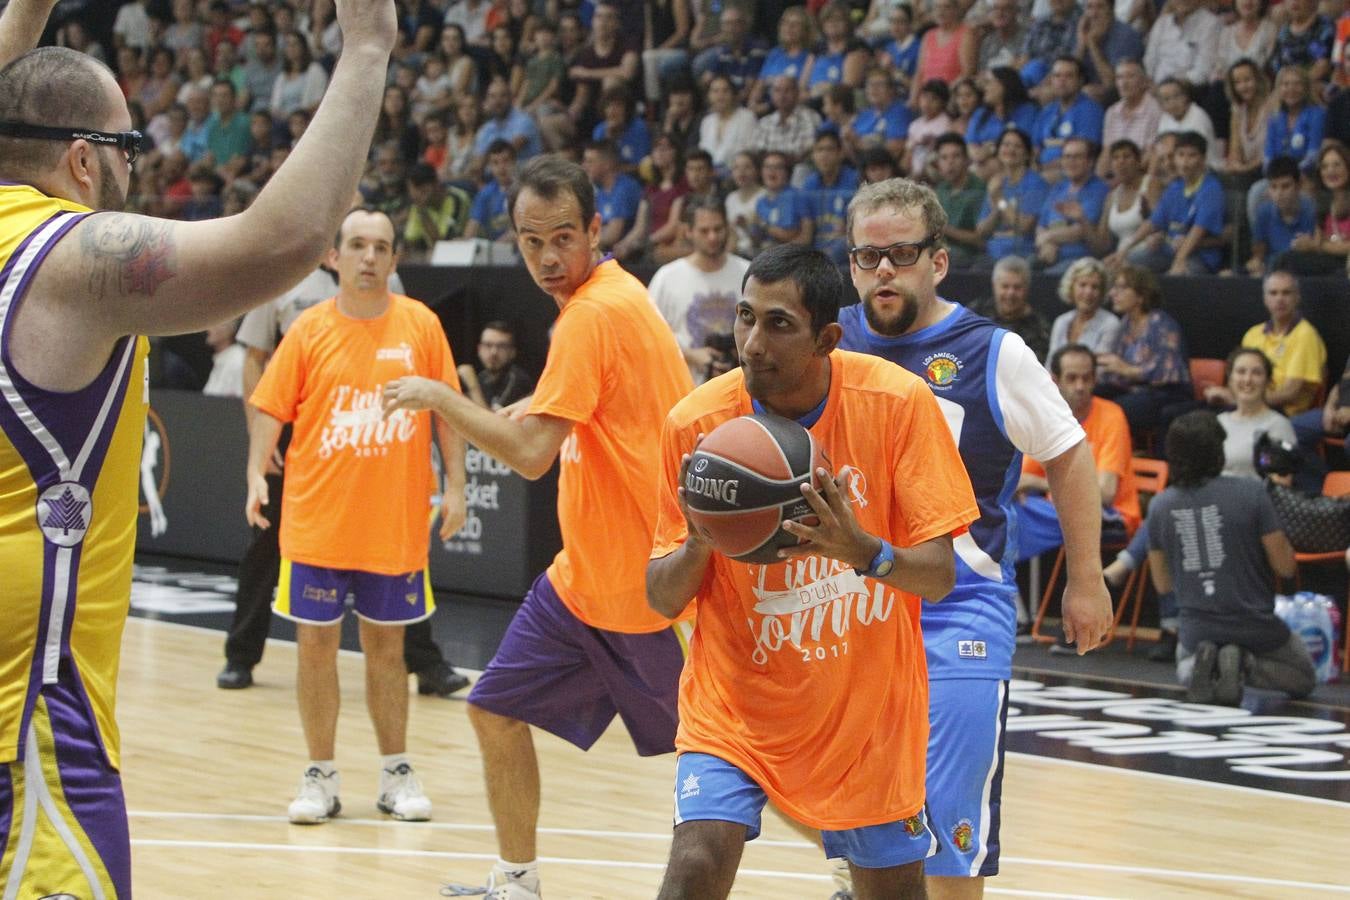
(615, 370)
(1108, 436)
(358, 486)
(806, 676)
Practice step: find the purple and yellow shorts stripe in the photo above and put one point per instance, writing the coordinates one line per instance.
(63, 818)
(316, 595)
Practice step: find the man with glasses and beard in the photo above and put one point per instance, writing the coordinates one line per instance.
(1000, 403)
(79, 292)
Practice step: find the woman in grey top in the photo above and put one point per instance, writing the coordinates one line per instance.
(1083, 286)
(1248, 377)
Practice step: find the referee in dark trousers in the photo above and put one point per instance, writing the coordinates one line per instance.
(260, 332)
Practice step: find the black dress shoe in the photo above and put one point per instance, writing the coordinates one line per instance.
(440, 680)
(234, 676)
(1166, 650)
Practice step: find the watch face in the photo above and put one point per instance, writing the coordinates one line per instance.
(885, 568)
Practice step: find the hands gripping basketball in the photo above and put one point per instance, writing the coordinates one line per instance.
(837, 534)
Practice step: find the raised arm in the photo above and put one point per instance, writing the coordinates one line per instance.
(117, 274)
(21, 26)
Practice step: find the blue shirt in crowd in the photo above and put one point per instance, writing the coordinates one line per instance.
(889, 124)
(1055, 125)
(827, 205)
(634, 144)
(1300, 142)
(1277, 234)
(786, 209)
(490, 212)
(1180, 210)
(905, 57)
(620, 201)
(986, 126)
(1028, 196)
(516, 124)
(1091, 196)
(780, 62)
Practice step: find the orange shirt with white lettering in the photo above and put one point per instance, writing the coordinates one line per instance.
(1108, 436)
(808, 677)
(614, 369)
(358, 486)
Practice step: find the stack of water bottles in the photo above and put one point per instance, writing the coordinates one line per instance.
(1315, 619)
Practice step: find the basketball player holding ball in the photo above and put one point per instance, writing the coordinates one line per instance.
(806, 682)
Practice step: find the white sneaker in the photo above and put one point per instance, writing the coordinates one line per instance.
(401, 795)
(502, 887)
(317, 800)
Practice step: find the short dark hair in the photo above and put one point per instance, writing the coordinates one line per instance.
(698, 153)
(1066, 58)
(1194, 449)
(603, 147)
(1193, 139)
(818, 279)
(1088, 143)
(500, 145)
(1128, 145)
(1144, 283)
(1057, 358)
(938, 88)
(372, 210)
(843, 95)
(48, 86)
(829, 133)
(1282, 167)
(692, 204)
(422, 175)
(949, 137)
(501, 325)
(548, 176)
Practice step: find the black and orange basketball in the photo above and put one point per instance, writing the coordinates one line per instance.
(744, 481)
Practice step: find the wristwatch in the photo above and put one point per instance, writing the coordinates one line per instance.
(881, 564)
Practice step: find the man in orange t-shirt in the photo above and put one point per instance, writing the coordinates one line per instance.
(821, 703)
(1074, 370)
(354, 507)
(584, 645)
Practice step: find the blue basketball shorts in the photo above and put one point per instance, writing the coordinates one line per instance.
(966, 718)
(711, 789)
(315, 595)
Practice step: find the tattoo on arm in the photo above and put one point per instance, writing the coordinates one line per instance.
(129, 255)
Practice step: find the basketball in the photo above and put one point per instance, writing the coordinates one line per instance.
(744, 482)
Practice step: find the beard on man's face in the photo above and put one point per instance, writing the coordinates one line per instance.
(891, 324)
(110, 193)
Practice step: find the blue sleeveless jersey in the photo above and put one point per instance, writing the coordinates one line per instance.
(971, 632)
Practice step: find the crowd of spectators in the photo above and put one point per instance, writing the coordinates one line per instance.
(1195, 136)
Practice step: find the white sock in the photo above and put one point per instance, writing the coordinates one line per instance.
(325, 766)
(391, 762)
(527, 873)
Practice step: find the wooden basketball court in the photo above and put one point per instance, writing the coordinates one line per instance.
(208, 774)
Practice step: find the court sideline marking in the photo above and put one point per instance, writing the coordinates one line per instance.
(651, 836)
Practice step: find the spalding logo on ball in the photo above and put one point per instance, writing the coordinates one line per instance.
(744, 481)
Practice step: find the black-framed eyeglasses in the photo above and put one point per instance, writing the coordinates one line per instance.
(900, 255)
(129, 142)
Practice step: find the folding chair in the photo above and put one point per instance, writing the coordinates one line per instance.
(1150, 476)
(1206, 373)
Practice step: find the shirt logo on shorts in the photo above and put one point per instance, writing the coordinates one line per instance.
(689, 788)
(319, 594)
(63, 513)
(914, 826)
(971, 649)
(963, 836)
